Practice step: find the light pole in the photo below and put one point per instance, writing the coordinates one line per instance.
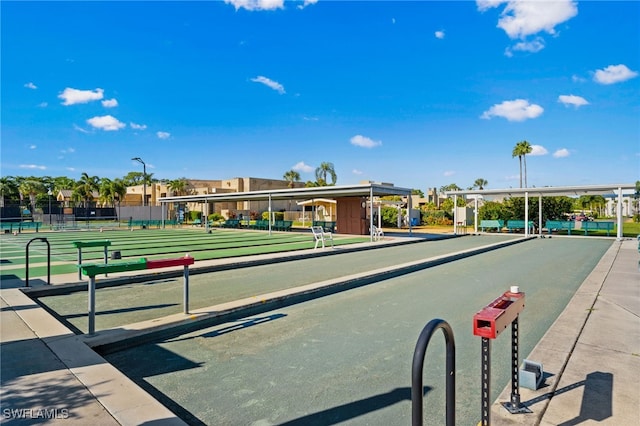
(144, 183)
(49, 193)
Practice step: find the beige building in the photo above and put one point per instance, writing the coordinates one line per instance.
(202, 187)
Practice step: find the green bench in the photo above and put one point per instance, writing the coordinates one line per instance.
(490, 224)
(231, 223)
(559, 225)
(516, 225)
(283, 225)
(260, 224)
(596, 226)
(29, 225)
(326, 225)
(149, 223)
(7, 226)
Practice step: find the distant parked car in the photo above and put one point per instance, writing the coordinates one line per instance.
(583, 218)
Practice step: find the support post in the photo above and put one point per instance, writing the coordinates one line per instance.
(92, 304)
(186, 289)
(486, 382)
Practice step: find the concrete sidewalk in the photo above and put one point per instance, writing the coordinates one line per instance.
(591, 354)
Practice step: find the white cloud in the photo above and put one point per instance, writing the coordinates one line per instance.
(538, 150)
(307, 3)
(310, 118)
(32, 166)
(32, 147)
(80, 129)
(71, 169)
(363, 141)
(163, 135)
(302, 167)
(578, 79)
(449, 173)
(269, 83)
(561, 153)
(138, 126)
(30, 85)
(110, 103)
(520, 19)
(74, 96)
(69, 150)
(614, 74)
(439, 34)
(532, 46)
(43, 104)
(356, 172)
(516, 110)
(106, 122)
(576, 101)
(256, 4)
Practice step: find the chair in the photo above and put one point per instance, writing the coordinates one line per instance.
(377, 233)
(321, 236)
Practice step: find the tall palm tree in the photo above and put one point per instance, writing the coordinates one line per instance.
(291, 176)
(480, 183)
(8, 189)
(324, 169)
(31, 187)
(119, 190)
(85, 187)
(521, 150)
(106, 192)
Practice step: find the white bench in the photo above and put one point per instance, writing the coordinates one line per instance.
(376, 233)
(320, 235)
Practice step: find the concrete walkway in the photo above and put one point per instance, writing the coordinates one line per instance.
(591, 355)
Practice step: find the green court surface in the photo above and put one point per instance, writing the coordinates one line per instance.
(148, 243)
(126, 304)
(346, 358)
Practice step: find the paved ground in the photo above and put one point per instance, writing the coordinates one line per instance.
(68, 357)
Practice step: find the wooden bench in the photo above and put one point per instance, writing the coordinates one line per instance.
(595, 226)
(559, 225)
(320, 235)
(498, 224)
(515, 225)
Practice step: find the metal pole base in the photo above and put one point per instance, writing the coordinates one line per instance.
(516, 409)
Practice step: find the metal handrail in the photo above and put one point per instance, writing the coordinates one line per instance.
(418, 367)
(27, 260)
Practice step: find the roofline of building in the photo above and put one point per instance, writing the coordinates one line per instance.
(549, 190)
(365, 190)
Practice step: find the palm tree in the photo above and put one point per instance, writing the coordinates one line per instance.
(85, 187)
(521, 149)
(324, 169)
(31, 188)
(8, 189)
(480, 183)
(291, 176)
(178, 186)
(119, 190)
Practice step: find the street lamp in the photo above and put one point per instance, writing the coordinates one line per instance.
(144, 184)
(144, 178)
(49, 193)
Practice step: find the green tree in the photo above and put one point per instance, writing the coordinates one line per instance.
(521, 150)
(450, 187)
(291, 176)
(417, 192)
(322, 171)
(85, 188)
(480, 183)
(9, 189)
(30, 188)
(105, 189)
(493, 210)
(178, 186)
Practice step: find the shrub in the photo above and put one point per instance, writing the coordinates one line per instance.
(215, 217)
(193, 215)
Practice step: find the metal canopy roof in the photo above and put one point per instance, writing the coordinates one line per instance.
(549, 190)
(365, 190)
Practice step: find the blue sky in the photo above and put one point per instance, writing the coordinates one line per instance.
(418, 93)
